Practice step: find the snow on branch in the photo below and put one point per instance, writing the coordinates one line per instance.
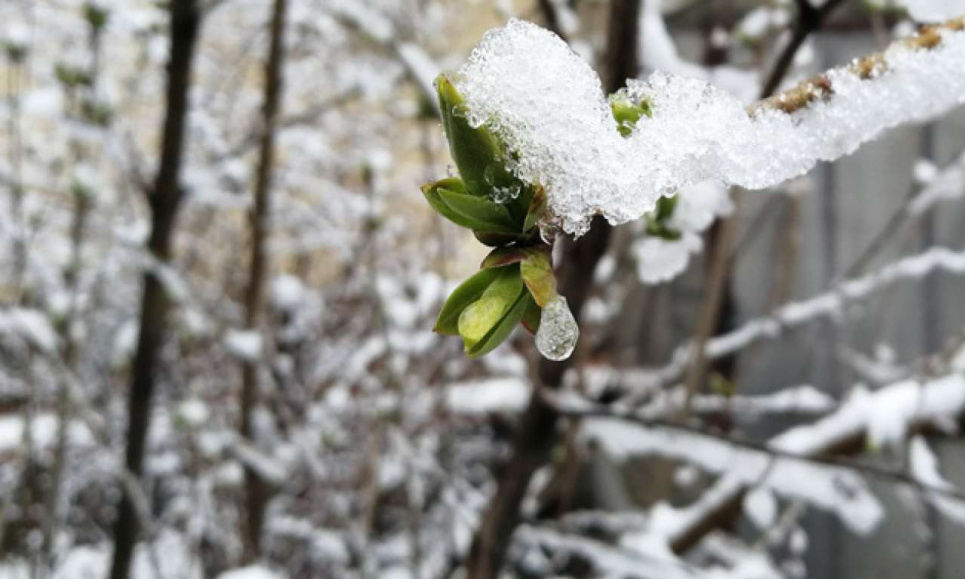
(547, 104)
(795, 463)
(794, 314)
(607, 559)
(886, 415)
(837, 489)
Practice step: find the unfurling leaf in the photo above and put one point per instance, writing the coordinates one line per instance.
(537, 209)
(468, 292)
(537, 273)
(627, 113)
(478, 155)
(488, 321)
(504, 256)
(450, 199)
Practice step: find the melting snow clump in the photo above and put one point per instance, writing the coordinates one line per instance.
(548, 106)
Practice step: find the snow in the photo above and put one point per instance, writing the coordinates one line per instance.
(885, 415)
(832, 303)
(194, 412)
(658, 52)
(945, 185)
(270, 468)
(760, 506)
(245, 345)
(484, 396)
(252, 572)
(756, 23)
(287, 293)
(31, 326)
(609, 561)
(43, 430)
(923, 465)
(925, 10)
(660, 260)
(547, 104)
(835, 489)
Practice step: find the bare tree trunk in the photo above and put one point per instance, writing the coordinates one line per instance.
(537, 427)
(164, 200)
(257, 490)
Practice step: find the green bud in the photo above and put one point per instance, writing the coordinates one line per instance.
(537, 273)
(16, 52)
(657, 219)
(71, 76)
(488, 321)
(476, 151)
(627, 113)
(468, 292)
(451, 199)
(95, 15)
(96, 113)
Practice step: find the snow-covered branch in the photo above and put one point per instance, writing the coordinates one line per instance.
(547, 104)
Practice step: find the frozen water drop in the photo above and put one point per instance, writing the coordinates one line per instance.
(502, 195)
(558, 331)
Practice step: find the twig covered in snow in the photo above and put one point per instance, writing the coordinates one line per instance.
(548, 106)
(887, 415)
(830, 304)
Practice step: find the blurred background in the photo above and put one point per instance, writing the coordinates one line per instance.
(216, 346)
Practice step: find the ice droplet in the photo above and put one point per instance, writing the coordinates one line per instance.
(558, 331)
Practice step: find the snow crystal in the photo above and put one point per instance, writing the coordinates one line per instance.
(244, 345)
(558, 331)
(548, 105)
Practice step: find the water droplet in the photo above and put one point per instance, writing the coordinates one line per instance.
(548, 232)
(558, 331)
(501, 195)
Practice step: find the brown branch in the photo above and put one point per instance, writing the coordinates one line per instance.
(867, 68)
(537, 428)
(590, 410)
(257, 490)
(164, 201)
(552, 18)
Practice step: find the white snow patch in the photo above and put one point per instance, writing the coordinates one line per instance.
(484, 396)
(547, 104)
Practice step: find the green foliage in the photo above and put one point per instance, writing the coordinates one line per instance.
(627, 114)
(72, 77)
(658, 219)
(96, 16)
(516, 279)
(503, 213)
